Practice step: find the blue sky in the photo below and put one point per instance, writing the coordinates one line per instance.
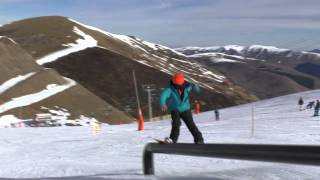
(284, 23)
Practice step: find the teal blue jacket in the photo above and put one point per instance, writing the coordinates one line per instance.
(175, 103)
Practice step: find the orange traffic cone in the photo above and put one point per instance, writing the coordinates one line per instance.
(140, 121)
(197, 107)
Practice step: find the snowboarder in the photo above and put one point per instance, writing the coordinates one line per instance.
(316, 108)
(310, 105)
(217, 114)
(300, 103)
(179, 106)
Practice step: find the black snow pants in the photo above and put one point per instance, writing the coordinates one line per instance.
(188, 120)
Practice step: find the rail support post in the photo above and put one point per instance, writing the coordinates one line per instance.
(148, 161)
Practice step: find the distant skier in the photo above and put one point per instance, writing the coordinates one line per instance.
(300, 103)
(310, 105)
(217, 114)
(177, 94)
(316, 108)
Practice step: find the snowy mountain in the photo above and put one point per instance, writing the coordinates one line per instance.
(292, 58)
(289, 71)
(315, 51)
(253, 50)
(116, 153)
(27, 89)
(103, 62)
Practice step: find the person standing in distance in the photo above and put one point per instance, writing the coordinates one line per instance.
(217, 114)
(300, 103)
(176, 95)
(316, 108)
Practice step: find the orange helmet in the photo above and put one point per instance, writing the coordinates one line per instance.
(178, 79)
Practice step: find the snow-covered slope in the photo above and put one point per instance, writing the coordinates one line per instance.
(221, 57)
(116, 153)
(84, 42)
(291, 71)
(157, 56)
(235, 52)
(132, 41)
(14, 81)
(235, 49)
(51, 90)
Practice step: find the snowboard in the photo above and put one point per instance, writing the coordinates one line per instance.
(165, 141)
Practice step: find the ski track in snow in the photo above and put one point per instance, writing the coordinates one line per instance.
(80, 45)
(51, 90)
(13, 81)
(116, 153)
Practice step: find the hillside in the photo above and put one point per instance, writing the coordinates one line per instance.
(115, 85)
(27, 89)
(271, 54)
(247, 67)
(69, 46)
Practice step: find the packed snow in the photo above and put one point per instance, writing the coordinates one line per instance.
(7, 120)
(51, 90)
(85, 42)
(13, 81)
(116, 152)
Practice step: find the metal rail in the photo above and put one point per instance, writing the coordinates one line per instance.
(295, 154)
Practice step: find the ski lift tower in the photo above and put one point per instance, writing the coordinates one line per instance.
(149, 88)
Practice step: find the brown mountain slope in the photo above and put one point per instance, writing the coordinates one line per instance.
(262, 81)
(44, 35)
(264, 78)
(109, 75)
(76, 100)
(52, 33)
(14, 60)
(40, 36)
